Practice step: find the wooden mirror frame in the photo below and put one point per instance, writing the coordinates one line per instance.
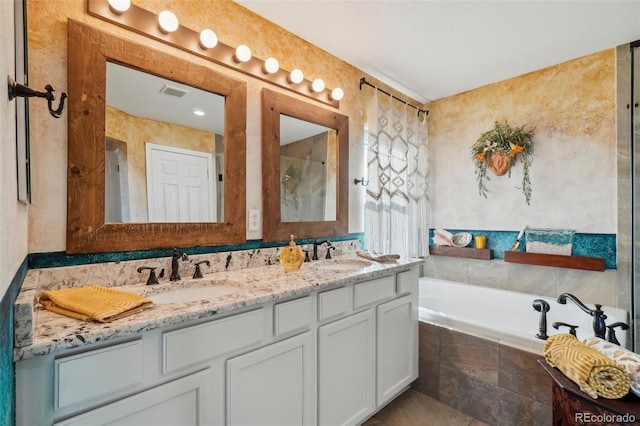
(87, 232)
(274, 104)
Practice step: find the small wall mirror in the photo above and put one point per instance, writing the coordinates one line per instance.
(164, 150)
(305, 167)
(120, 212)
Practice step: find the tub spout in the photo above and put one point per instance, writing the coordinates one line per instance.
(598, 314)
(543, 307)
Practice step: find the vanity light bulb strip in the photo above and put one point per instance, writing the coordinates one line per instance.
(166, 28)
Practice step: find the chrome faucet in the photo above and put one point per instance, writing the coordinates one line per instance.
(599, 326)
(315, 248)
(175, 276)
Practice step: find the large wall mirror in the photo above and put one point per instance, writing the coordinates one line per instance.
(146, 168)
(305, 158)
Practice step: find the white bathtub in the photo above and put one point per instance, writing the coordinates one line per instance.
(504, 316)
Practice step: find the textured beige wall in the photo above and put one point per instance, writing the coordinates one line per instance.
(572, 107)
(13, 214)
(234, 25)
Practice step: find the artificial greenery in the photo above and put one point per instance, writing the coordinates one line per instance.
(510, 140)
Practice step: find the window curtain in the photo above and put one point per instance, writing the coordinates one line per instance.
(397, 211)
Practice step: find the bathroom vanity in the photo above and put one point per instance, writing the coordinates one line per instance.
(315, 346)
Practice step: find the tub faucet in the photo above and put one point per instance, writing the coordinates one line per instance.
(611, 335)
(543, 307)
(599, 327)
(315, 248)
(175, 257)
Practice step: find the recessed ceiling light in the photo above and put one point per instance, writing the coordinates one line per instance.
(198, 112)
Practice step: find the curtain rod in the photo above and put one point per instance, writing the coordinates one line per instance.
(364, 81)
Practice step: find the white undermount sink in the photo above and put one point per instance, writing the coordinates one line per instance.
(341, 264)
(190, 294)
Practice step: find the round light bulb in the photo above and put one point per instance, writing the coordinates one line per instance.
(208, 39)
(296, 76)
(317, 85)
(119, 6)
(243, 53)
(271, 65)
(337, 94)
(168, 21)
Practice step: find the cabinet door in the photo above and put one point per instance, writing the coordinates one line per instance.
(182, 402)
(346, 370)
(397, 341)
(274, 385)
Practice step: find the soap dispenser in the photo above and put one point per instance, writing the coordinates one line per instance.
(291, 257)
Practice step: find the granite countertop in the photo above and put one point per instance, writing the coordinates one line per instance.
(41, 332)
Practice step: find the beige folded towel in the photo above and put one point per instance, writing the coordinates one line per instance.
(96, 302)
(595, 373)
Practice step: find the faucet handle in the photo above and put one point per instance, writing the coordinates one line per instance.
(572, 328)
(329, 251)
(611, 334)
(152, 275)
(198, 272)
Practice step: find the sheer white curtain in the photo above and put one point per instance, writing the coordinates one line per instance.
(397, 211)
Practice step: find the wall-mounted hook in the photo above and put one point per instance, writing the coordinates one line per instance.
(20, 90)
(362, 181)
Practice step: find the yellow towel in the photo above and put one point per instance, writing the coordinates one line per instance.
(595, 373)
(96, 302)
(629, 360)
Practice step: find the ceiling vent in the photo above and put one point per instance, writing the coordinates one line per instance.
(173, 91)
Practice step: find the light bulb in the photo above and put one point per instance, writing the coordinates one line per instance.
(208, 39)
(168, 21)
(296, 76)
(337, 94)
(243, 53)
(198, 112)
(317, 85)
(119, 6)
(271, 65)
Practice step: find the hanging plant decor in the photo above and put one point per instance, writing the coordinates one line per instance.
(497, 150)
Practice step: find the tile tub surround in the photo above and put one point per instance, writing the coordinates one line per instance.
(494, 383)
(53, 332)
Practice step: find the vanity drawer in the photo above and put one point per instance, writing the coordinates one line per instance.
(373, 291)
(192, 345)
(96, 374)
(292, 315)
(408, 281)
(333, 303)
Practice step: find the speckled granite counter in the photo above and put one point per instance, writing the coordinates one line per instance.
(40, 332)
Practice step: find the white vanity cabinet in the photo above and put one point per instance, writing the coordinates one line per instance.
(330, 357)
(274, 385)
(184, 402)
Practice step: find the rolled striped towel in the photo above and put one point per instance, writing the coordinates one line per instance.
(629, 360)
(595, 373)
(96, 302)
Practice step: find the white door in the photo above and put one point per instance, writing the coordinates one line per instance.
(397, 341)
(180, 185)
(273, 386)
(182, 402)
(346, 370)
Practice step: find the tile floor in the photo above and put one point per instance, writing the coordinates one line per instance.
(414, 408)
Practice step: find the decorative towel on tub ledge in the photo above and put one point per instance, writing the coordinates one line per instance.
(595, 373)
(629, 360)
(96, 302)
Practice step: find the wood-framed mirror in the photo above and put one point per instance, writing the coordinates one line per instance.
(304, 174)
(88, 230)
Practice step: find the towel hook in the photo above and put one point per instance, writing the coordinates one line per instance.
(20, 90)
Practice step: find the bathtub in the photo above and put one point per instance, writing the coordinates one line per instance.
(503, 316)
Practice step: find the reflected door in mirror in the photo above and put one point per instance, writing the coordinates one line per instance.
(144, 109)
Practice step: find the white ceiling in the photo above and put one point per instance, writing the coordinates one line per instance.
(431, 49)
